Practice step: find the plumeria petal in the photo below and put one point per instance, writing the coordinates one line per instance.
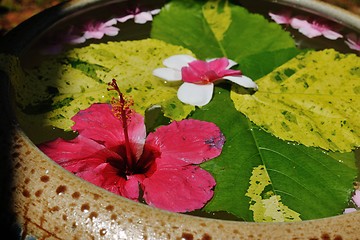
(167, 74)
(110, 22)
(93, 34)
(99, 123)
(332, 35)
(111, 31)
(195, 94)
(180, 189)
(242, 81)
(190, 141)
(178, 61)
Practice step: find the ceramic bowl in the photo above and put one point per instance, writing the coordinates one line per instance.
(41, 200)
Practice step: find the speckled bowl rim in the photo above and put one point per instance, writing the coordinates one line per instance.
(48, 202)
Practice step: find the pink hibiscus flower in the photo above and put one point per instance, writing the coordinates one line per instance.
(113, 152)
(139, 16)
(353, 41)
(199, 77)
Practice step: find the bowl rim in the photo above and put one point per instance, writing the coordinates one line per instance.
(95, 216)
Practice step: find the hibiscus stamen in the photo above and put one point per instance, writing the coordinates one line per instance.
(121, 108)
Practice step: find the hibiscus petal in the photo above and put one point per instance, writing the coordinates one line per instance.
(178, 61)
(99, 123)
(195, 94)
(105, 176)
(167, 74)
(242, 81)
(186, 142)
(179, 190)
(78, 154)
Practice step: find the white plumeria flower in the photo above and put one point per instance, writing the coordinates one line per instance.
(139, 17)
(199, 77)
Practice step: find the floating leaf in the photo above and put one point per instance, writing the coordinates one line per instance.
(313, 99)
(304, 180)
(56, 90)
(267, 208)
(208, 33)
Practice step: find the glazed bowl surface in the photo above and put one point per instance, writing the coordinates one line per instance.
(44, 201)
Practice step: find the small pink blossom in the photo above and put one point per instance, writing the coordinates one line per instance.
(97, 30)
(164, 165)
(315, 27)
(139, 17)
(199, 77)
(353, 41)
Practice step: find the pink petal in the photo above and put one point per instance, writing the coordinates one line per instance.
(191, 141)
(281, 18)
(78, 154)
(353, 41)
(124, 19)
(143, 17)
(195, 94)
(99, 124)
(111, 22)
(111, 31)
(332, 35)
(356, 198)
(93, 34)
(349, 210)
(180, 189)
(105, 176)
(218, 65)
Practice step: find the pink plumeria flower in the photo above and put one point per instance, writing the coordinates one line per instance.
(199, 77)
(315, 28)
(281, 18)
(115, 154)
(353, 41)
(356, 200)
(140, 17)
(97, 30)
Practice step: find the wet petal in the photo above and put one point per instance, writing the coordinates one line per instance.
(78, 154)
(99, 124)
(179, 189)
(167, 74)
(332, 35)
(242, 81)
(93, 34)
(111, 31)
(187, 141)
(143, 17)
(125, 18)
(195, 94)
(178, 61)
(356, 198)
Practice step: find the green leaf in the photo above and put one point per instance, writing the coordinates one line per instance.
(312, 99)
(218, 29)
(56, 90)
(302, 180)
